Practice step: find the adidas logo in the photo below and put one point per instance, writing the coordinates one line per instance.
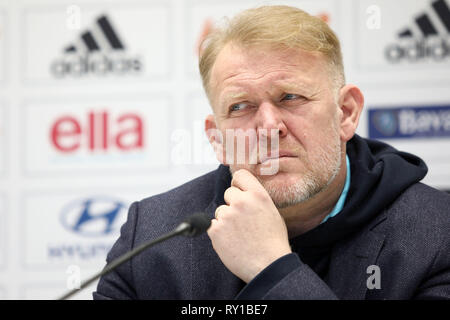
(99, 51)
(428, 38)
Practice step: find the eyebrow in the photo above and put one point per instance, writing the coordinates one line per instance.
(292, 86)
(235, 95)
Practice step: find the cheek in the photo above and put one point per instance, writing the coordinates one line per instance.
(238, 145)
(239, 129)
(301, 129)
(312, 129)
(243, 122)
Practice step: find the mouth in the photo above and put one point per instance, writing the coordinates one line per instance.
(281, 155)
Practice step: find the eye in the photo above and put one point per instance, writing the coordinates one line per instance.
(291, 96)
(238, 106)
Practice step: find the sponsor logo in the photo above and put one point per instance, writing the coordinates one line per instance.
(427, 39)
(68, 227)
(409, 122)
(94, 223)
(98, 131)
(80, 251)
(93, 216)
(69, 137)
(385, 121)
(99, 51)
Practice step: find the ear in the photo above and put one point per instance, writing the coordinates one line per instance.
(215, 137)
(351, 102)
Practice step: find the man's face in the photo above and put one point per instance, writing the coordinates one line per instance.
(290, 91)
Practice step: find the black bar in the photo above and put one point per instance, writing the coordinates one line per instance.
(405, 34)
(109, 33)
(442, 10)
(173, 309)
(426, 26)
(90, 41)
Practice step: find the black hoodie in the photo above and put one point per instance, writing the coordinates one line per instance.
(379, 174)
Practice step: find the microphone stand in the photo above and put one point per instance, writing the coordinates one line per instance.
(184, 228)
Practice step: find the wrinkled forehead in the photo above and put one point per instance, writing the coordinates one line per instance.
(236, 62)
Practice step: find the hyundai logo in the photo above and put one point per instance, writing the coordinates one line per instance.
(96, 216)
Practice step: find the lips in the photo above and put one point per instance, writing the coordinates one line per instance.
(281, 154)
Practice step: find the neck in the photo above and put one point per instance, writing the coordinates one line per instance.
(307, 215)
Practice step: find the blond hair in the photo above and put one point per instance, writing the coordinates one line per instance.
(278, 27)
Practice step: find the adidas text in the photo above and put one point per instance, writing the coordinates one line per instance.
(95, 64)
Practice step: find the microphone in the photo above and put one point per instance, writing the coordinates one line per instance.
(193, 226)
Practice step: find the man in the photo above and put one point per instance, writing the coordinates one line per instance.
(318, 213)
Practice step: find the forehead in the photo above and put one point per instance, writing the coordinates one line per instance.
(239, 64)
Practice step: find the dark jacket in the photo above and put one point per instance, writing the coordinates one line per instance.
(391, 226)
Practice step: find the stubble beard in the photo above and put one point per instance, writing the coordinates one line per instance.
(324, 168)
(321, 167)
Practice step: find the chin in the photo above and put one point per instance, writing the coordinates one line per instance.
(290, 186)
(287, 189)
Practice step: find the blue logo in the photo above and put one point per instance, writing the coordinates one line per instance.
(409, 122)
(93, 217)
(385, 122)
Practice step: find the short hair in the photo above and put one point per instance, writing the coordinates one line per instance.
(275, 27)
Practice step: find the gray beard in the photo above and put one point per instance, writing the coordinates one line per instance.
(302, 190)
(324, 171)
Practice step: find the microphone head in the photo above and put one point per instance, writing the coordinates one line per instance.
(198, 223)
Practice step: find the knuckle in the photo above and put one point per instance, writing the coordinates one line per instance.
(212, 229)
(239, 173)
(219, 211)
(221, 208)
(227, 193)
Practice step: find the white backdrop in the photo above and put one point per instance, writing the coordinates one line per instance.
(101, 105)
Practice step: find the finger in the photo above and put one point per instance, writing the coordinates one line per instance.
(212, 228)
(218, 210)
(245, 180)
(232, 193)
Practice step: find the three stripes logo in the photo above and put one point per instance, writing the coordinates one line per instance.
(99, 51)
(428, 38)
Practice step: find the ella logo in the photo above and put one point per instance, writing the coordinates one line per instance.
(98, 131)
(97, 216)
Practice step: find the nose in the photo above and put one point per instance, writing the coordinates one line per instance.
(269, 117)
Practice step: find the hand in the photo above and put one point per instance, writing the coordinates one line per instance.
(248, 233)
